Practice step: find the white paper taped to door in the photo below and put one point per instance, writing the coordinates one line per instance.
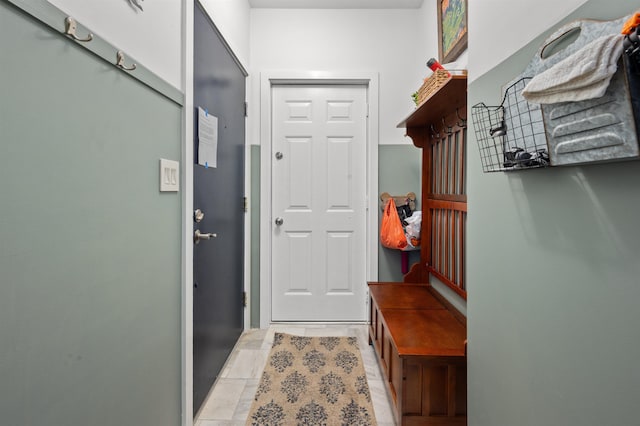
(207, 139)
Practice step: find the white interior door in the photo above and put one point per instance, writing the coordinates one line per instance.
(319, 147)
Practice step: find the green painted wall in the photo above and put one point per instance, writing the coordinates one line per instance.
(399, 172)
(553, 282)
(89, 248)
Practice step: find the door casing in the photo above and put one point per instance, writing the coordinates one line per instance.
(267, 81)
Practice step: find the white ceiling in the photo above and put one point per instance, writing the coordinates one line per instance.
(336, 4)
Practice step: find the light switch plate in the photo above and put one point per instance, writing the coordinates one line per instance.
(169, 175)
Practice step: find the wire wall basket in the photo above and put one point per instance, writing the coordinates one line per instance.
(511, 135)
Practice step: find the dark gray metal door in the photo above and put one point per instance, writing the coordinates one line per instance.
(219, 87)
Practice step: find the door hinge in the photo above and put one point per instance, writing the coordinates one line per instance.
(367, 109)
(246, 109)
(245, 205)
(244, 299)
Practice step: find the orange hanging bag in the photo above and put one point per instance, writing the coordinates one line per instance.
(391, 231)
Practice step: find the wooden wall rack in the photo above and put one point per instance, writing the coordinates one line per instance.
(418, 336)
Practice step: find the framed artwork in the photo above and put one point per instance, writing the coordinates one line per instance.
(452, 29)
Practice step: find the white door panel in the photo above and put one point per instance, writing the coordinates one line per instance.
(319, 186)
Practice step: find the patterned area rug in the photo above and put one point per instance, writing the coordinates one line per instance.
(313, 381)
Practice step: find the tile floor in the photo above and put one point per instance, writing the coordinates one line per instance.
(230, 398)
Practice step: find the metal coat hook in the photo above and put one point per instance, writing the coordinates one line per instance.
(70, 27)
(434, 133)
(120, 62)
(463, 121)
(447, 129)
(501, 130)
(136, 4)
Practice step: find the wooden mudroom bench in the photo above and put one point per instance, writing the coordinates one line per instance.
(419, 340)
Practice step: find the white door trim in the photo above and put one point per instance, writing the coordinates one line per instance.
(187, 215)
(267, 79)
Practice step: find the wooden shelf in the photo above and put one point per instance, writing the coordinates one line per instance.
(451, 95)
